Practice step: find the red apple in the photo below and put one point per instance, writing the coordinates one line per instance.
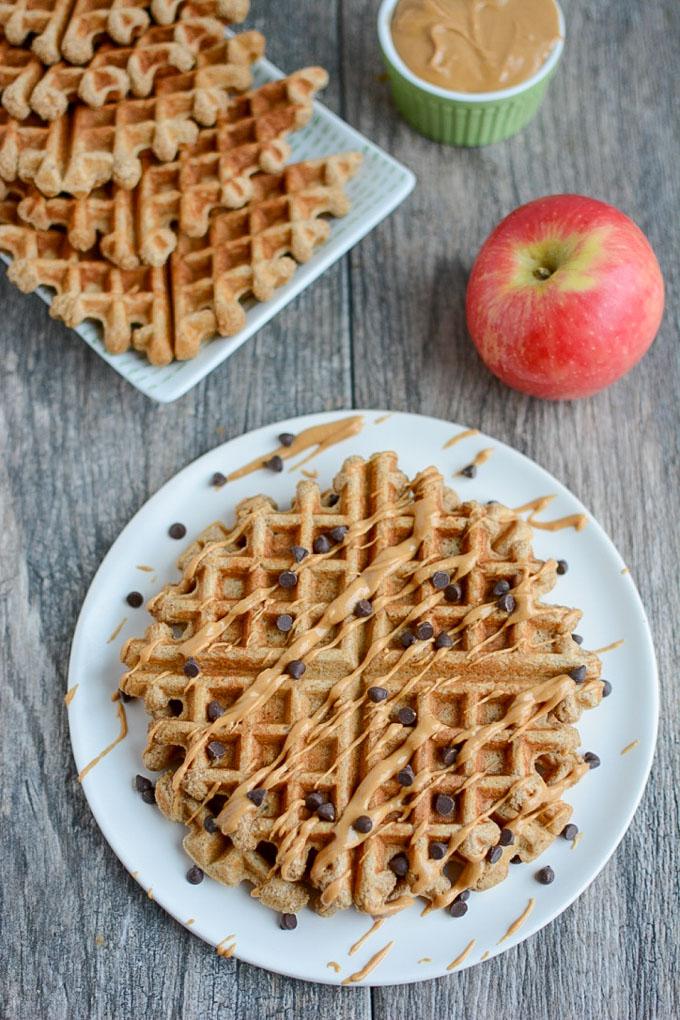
(565, 297)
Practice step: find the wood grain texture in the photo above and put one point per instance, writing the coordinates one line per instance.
(82, 451)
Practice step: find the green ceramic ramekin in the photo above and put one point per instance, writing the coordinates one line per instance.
(462, 118)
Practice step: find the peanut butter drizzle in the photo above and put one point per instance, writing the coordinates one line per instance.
(459, 437)
(535, 506)
(375, 960)
(120, 709)
(117, 631)
(519, 921)
(485, 956)
(377, 923)
(425, 959)
(320, 436)
(479, 459)
(383, 418)
(609, 648)
(190, 921)
(462, 956)
(226, 951)
(576, 840)
(70, 694)
(630, 747)
(312, 475)
(626, 570)
(146, 569)
(149, 893)
(334, 966)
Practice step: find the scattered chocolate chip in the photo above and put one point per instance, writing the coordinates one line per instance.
(437, 851)
(406, 716)
(578, 674)
(134, 599)
(569, 831)
(176, 706)
(321, 544)
(444, 805)
(469, 471)
(195, 875)
(501, 587)
(407, 638)
(463, 896)
(338, 534)
(256, 796)
(299, 552)
(577, 638)
(215, 750)
(286, 439)
(516, 859)
(295, 668)
(448, 755)
(314, 800)
(376, 694)
(546, 875)
(149, 795)
(332, 498)
(218, 480)
(506, 838)
(591, 759)
(606, 688)
(399, 865)
(177, 530)
(274, 463)
(458, 908)
(214, 710)
(443, 640)
(405, 776)
(363, 824)
(506, 603)
(142, 783)
(562, 566)
(424, 631)
(284, 622)
(327, 812)
(191, 668)
(453, 592)
(440, 580)
(363, 608)
(288, 922)
(209, 824)
(494, 854)
(287, 579)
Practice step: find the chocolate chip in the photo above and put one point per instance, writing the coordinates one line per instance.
(578, 674)
(299, 552)
(407, 638)
(545, 876)
(286, 439)
(506, 838)
(134, 599)
(463, 896)
(405, 776)
(256, 796)
(569, 831)
(440, 580)
(332, 499)
(562, 566)
(469, 471)
(288, 922)
(274, 463)
(363, 608)
(363, 824)
(149, 796)
(295, 668)
(209, 824)
(516, 859)
(577, 638)
(443, 640)
(501, 587)
(287, 579)
(130, 697)
(191, 668)
(175, 706)
(406, 716)
(506, 603)
(177, 530)
(284, 622)
(458, 908)
(214, 710)
(399, 865)
(453, 592)
(591, 759)
(338, 534)
(195, 875)
(321, 544)
(606, 688)
(218, 480)
(444, 805)
(376, 694)
(448, 755)
(215, 750)
(494, 854)
(437, 851)
(424, 631)
(326, 812)
(142, 783)
(314, 800)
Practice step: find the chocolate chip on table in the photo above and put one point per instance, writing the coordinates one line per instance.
(134, 599)
(506, 838)
(284, 622)
(149, 795)
(424, 631)
(578, 674)
(399, 865)
(218, 480)
(195, 875)
(191, 668)
(407, 638)
(448, 755)
(363, 824)
(215, 750)
(577, 638)
(256, 796)
(458, 908)
(363, 608)
(295, 668)
(321, 544)
(453, 592)
(288, 579)
(443, 640)
(209, 824)
(494, 854)
(288, 922)
(214, 710)
(440, 580)
(562, 566)
(142, 783)
(299, 552)
(326, 812)
(437, 851)
(444, 805)
(506, 603)
(546, 875)
(338, 534)
(274, 463)
(176, 706)
(606, 688)
(591, 759)
(501, 587)
(314, 800)
(286, 439)
(516, 859)
(405, 776)
(376, 694)
(177, 530)
(469, 471)
(406, 716)
(570, 831)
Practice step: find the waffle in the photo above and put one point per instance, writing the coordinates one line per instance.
(228, 719)
(70, 29)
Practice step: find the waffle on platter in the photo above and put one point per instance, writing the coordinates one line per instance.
(363, 699)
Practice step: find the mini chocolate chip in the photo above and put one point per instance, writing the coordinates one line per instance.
(448, 755)
(314, 800)
(424, 631)
(591, 759)
(443, 640)
(405, 776)
(516, 859)
(501, 587)
(195, 875)
(506, 603)
(440, 580)
(338, 534)
(577, 638)
(214, 710)
(299, 552)
(215, 750)
(209, 824)
(399, 865)
(176, 706)
(463, 896)
(191, 668)
(406, 716)
(332, 499)
(284, 622)
(546, 875)
(288, 922)
(218, 480)
(407, 638)
(453, 592)
(570, 831)
(256, 796)
(177, 530)
(469, 471)
(444, 805)
(295, 668)
(326, 812)
(134, 599)
(142, 783)
(458, 908)
(274, 463)
(363, 824)
(363, 608)
(437, 851)
(321, 544)
(130, 697)
(286, 439)
(606, 688)
(149, 796)
(494, 854)
(578, 674)
(376, 694)
(506, 838)
(562, 566)
(287, 579)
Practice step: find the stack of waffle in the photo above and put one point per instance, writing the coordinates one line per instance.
(143, 179)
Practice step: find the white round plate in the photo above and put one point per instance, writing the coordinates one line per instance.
(150, 846)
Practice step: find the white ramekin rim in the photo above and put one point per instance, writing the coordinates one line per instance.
(389, 49)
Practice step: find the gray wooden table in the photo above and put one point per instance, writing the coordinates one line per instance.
(385, 327)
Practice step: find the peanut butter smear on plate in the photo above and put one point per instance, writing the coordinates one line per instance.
(475, 45)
